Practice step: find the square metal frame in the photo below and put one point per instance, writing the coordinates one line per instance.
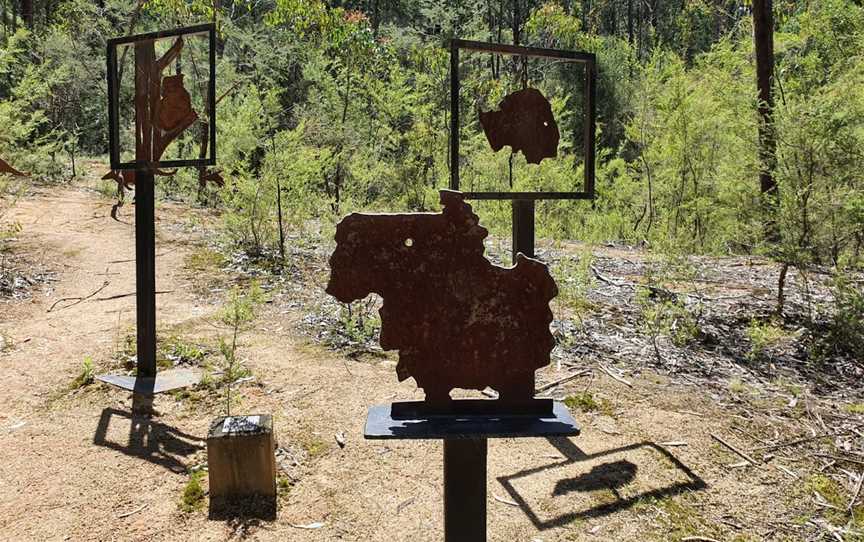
(114, 106)
(589, 60)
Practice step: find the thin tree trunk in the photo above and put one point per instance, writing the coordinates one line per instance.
(27, 12)
(630, 22)
(763, 39)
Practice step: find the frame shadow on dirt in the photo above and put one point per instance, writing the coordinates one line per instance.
(611, 478)
(149, 440)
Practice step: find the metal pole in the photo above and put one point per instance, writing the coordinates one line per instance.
(145, 273)
(465, 490)
(523, 227)
(454, 116)
(523, 241)
(145, 224)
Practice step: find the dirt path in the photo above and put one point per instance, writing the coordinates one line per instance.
(74, 466)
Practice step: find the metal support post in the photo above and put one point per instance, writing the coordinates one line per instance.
(465, 489)
(523, 227)
(145, 273)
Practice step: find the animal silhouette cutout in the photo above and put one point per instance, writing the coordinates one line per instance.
(525, 122)
(457, 320)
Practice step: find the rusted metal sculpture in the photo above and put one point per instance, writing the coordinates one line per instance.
(9, 170)
(457, 320)
(163, 107)
(163, 111)
(526, 123)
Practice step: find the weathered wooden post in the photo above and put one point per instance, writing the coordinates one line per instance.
(241, 465)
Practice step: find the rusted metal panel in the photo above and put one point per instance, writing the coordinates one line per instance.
(525, 122)
(457, 320)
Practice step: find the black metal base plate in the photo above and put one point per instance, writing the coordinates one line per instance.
(471, 407)
(171, 379)
(381, 424)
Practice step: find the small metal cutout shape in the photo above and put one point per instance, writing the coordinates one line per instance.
(525, 122)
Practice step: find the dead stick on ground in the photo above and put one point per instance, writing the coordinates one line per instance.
(734, 449)
(545, 387)
(856, 494)
(78, 299)
(129, 513)
(795, 442)
(698, 539)
(613, 375)
(119, 296)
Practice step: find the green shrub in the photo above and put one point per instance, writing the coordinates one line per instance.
(85, 377)
(193, 493)
(847, 322)
(764, 337)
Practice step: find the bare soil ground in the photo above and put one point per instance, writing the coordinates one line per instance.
(75, 465)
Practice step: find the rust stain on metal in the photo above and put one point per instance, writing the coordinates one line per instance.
(526, 123)
(457, 320)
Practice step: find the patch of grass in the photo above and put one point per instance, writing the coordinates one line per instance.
(283, 486)
(764, 337)
(193, 493)
(171, 350)
(107, 189)
(6, 343)
(678, 519)
(359, 321)
(855, 408)
(315, 446)
(739, 387)
(586, 402)
(178, 350)
(204, 259)
(85, 377)
(833, 493)
(574, 282)
(793, 389)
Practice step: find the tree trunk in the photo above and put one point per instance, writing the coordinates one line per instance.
(763, 39)
(630, 22)
(376, 17)
(27, 13)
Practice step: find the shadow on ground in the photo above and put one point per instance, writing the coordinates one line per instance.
(149, 440)
(607, 476)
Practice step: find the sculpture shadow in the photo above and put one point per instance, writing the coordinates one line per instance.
(149, 440)
(608, 476)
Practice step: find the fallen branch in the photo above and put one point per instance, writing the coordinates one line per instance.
(78, 299)
(856, 494)
(567, 378)
(795, 442)
(698, 539)
(838, 458)
(613, 375)
(505, 501)
(130, 512)
(118, 296)
(734, 449)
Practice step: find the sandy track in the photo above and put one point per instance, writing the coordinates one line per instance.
(57, 484)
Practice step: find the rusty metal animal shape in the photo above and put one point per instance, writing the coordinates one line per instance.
(457, 320)
(6, 168)
(526, 123)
